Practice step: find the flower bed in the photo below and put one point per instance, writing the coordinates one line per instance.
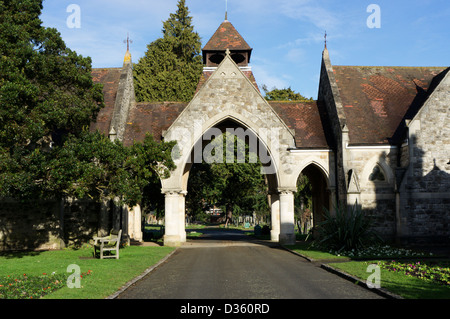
(381, 252)
(32, 287)
(438, 272)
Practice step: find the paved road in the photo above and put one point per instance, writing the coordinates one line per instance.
(227, 265)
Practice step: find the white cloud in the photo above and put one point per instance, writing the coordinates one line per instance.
(310, 11)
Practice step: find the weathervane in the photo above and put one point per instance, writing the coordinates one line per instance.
(128, 41)
(226, 10)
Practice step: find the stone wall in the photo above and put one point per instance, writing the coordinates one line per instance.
(29, 225)
(47, 225)
(372, 170)
(425, 189)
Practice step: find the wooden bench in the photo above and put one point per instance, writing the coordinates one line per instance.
(109, 243)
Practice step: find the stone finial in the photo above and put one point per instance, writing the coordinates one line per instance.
(112, 134)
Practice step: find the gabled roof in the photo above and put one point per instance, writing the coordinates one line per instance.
(376, 99)
(226, 37)
(110, 78)
(307, 120)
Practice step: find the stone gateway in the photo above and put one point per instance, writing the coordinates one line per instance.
(378, 137)
(375, 136)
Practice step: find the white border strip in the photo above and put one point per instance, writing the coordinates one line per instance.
(309, 151)
(373, 147)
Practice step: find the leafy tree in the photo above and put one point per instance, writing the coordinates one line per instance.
(46, 91)
(47, 100)
(93, 166)
(283, 95)
(235, 187)
(172, 65)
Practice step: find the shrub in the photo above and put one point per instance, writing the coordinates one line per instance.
(265, 230)
(348, 229)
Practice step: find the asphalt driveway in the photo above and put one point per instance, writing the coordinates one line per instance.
(229, 265)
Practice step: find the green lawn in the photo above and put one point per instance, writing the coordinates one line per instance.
(100, 279)
(305, 249)
(401, 280)
(408, 287)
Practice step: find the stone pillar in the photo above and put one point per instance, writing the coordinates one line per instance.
(103, 226)
(275, 214)
(173, 234)
(182, 213)
(134, 223)
(287, 220)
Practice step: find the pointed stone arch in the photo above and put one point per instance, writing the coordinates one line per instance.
(228, 95)
(323, 189)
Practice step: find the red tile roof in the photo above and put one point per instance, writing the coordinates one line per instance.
(110, 80)
(151, 118)
(306, 119)
(376, 99)
(226, 37)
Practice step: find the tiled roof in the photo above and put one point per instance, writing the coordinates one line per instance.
(306, 119)
(151, 118)
(110, 79)
(154, 118)
(226, 37)
(376, 99)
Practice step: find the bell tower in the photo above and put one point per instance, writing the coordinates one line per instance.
(226, 37)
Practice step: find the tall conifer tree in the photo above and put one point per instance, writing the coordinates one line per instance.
(172, 65)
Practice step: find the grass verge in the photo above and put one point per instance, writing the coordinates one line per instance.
(406, 286)
(307, 250)
(100, 278)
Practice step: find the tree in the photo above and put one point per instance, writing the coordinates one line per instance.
(47, 101)
(172, 65)
(303, 202)
(46, 92)
(236, 187)
(283, 95)
(92, 166)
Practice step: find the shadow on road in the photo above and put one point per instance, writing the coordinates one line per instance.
(225, 236)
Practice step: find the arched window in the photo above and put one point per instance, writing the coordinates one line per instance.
(377, 175)
(238, 58)
(216, 58)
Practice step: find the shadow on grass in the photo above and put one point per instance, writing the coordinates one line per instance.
(19, 254)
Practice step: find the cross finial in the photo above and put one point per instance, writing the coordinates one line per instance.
(325, 39)
(128, 41)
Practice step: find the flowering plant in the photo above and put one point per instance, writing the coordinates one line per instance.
(32, 287)
(427, 270)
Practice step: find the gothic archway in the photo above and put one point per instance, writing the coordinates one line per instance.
(313, 196)
(218, 155)
(228, 99)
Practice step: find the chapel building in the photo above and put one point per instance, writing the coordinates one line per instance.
(377, 137)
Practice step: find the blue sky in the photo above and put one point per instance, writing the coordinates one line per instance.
(287, 36)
